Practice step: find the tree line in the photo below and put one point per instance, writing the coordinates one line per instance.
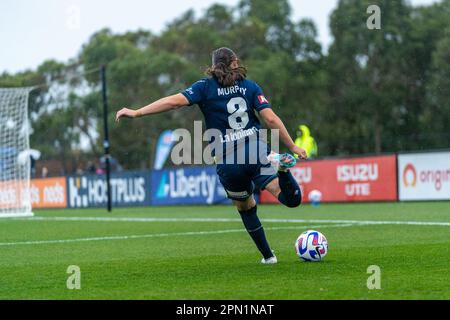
(373, 91)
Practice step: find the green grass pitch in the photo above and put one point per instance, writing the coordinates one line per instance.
(204, 253)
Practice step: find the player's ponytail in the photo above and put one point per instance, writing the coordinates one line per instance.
(221, 68)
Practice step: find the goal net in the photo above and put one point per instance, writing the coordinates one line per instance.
(14, 153)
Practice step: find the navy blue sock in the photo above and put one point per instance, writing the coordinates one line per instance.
(256, 231)
(291, 195)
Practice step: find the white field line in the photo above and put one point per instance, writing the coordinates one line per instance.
(304, 221)
(155, 235)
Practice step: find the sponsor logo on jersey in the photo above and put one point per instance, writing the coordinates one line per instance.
(262, 99)
(238, 135)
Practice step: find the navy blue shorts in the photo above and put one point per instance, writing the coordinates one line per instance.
(240, 181)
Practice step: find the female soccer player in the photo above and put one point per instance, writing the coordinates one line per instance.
(229, 103)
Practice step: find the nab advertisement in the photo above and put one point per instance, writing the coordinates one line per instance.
(424, 176)
(13, 194)
(189, 185)
(48, 193)
(43, 193)
(127, 190)
(346, 180)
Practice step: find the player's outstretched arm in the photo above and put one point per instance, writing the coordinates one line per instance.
(274, 122)
(162, 105)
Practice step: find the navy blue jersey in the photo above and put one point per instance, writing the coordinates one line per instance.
(229, 109)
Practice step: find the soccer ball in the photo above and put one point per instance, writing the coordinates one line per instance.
(311, 246)
(315, 197)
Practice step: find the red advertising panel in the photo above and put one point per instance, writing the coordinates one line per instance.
(346, 180)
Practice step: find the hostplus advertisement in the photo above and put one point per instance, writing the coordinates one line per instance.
(127, 189)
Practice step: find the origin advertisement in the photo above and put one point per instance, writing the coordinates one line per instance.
(424, 176)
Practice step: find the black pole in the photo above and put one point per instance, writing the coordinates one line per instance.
(106, 137)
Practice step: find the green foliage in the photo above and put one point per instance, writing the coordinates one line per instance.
(437, 111)
(373, 91)
(378, 77)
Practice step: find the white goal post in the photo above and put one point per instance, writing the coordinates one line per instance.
(15, 161)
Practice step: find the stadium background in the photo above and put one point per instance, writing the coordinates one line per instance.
(377, 102)
(404, 177)
(377, 92)
(372, 92)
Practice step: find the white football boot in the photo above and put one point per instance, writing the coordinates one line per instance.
(282, 162)
(271, 260)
